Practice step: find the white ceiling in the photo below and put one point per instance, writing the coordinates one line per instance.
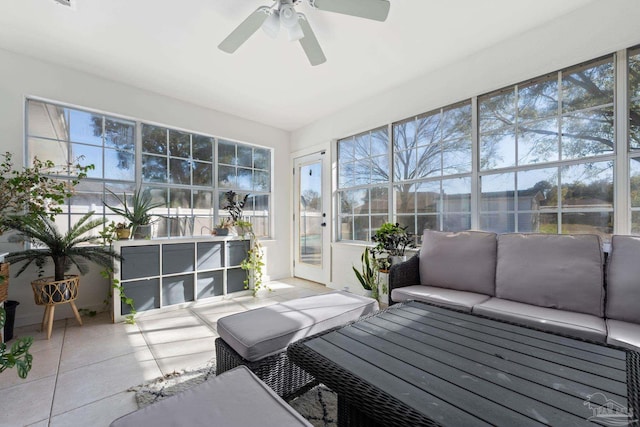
(169, 47)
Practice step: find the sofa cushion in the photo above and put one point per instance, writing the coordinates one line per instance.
(623, 279)
(219, 401)
(560, 321)
(465, 261)
(624, 334)
(460, 300)
(555, 271)
(258, 333)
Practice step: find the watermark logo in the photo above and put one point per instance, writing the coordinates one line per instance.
(608, 411)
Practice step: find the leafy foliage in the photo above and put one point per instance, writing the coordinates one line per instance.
(368, 275)
(138, 211)
(64, 250)
(234, 204)
(18, 355)
(40, 189)
(392, 239)
(253, 264)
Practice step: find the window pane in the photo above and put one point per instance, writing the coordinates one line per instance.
(428, 197)
(634, 124)
(427, 130)
(245, 156)
(588, 133)
(202, 202)
(179, 144)
(346, 228)
(362, 230)
(405, 135)
(497, 111)
(380, 142)
(345, 174)
(538, 99)
(227, 153)
(91, 155)
(355, 201)
(537, 222)
(154, 169)
(456, 156)
(538, 142)
(47, 121)
(261, 158)
(88, 197)
(85, 127)
(588, 86)
(202, 148)
(408, 221)
(635, 222)
(202, 173)
(538, 190)
(497, 192)
(456, 122)
(362, 172)
(179, 201)
(429, 161)
(503, 222)
(120, 165)
(498, 150)
(427, 222)
(379, 200)
(227, 176)
(244, 179)
(379, 169)
(600, 223)
(404, 163)
(587, 185)
(405, 197)
(119, 134)
(456, 195)
(634, 173)
(362, 146)
(180, 171)
(346, 149)
(261, 181)
(634, 74)
(56, 151)
(456, 222)
(154, 139)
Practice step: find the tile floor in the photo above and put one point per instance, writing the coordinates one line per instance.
(81, 375)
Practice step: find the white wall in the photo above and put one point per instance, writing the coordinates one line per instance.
(600, 28)
(21, 76)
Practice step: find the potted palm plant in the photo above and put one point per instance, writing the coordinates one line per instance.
(65, 250)
(137, 210)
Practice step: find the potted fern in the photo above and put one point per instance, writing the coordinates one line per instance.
(72, 248)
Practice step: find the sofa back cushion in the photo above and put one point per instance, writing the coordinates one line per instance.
(465, 261)
(556, 271)
(623, 279)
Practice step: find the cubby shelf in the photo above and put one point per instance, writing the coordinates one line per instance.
(162, 273)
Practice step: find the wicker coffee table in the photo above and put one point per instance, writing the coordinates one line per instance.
(416, 364)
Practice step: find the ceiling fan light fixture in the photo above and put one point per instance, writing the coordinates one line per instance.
(288, 16)
(295, 33)
(272, 25)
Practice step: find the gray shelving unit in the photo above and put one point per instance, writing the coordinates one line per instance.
(162, 273)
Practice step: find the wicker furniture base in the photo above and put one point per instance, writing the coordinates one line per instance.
(277, 371)
(49, 292)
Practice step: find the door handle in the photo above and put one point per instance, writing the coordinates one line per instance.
(324, 224)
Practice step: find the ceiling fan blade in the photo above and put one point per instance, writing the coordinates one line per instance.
(377, 10)
(245, 30)
(310, 43)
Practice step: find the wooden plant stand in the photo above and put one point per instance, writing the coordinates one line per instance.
(48, 292)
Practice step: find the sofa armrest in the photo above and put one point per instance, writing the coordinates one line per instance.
(404, 274)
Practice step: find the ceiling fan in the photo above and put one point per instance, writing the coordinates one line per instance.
(283, 14)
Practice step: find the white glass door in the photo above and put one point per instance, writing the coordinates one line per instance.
(311, 227)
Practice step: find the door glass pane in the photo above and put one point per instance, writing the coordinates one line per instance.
(311, 219)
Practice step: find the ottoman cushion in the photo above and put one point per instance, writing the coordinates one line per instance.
(259, 333)
(235, 398)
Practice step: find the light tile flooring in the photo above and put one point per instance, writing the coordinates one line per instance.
(81, 375)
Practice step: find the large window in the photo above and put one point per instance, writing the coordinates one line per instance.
(541, 159)
(177, 167)
(547, 153)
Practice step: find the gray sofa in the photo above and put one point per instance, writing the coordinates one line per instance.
(551, 282)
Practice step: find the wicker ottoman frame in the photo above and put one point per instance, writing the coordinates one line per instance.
(283, 376)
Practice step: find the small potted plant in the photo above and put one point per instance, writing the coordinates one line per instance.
(368, 275)
(253, 264)
(393, 240)
(18, 355)
(123, 230)
(223, 227)
(137, 211)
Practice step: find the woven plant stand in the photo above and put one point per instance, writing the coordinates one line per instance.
(49, 292)
(283, 376)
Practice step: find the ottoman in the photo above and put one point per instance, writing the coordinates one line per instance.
(236, 399)
(259, 338)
